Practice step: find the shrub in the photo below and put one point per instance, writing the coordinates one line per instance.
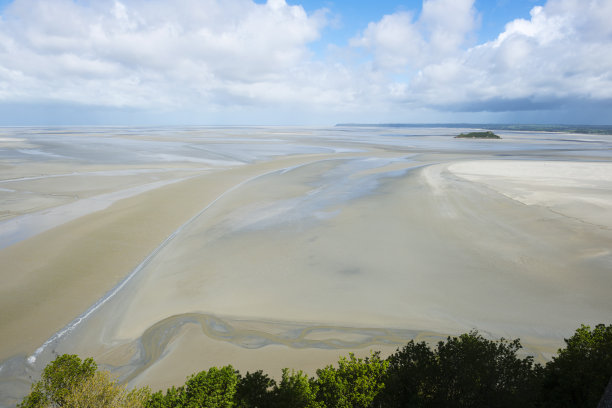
(58, 379)
(578, 375)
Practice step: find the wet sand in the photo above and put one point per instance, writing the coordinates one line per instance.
(293, 260)
(66, 269)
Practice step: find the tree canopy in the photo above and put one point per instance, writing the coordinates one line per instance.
(478, 135)
(355, 383)
(58, 379)
(464, 371)
(578, 375)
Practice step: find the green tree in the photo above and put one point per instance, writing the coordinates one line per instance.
(58, 379)
(578, 375)
(411, 377)
(102, 391)
(355, 383)
(295, 390)
(476, 372)
(254, 390)
(464, 371)
(214, 388)
(174, 397)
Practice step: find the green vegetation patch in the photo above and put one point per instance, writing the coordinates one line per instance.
(479, 135)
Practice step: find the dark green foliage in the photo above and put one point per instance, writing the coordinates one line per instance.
(58, 379)
(253, 390)
(295, 390)
(464, 371)
(578, 376)
(477, 372)
(479, 135)
(411, 377)
(355, 383)
(36, 399)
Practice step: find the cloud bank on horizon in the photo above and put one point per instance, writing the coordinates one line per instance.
(239, 62)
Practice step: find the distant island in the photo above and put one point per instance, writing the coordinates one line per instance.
(478, 135)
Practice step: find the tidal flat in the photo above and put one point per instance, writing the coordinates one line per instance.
(163, 251)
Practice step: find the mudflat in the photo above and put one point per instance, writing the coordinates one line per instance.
(52, 277)
(271, 248)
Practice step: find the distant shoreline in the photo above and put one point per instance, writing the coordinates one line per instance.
(585, 129)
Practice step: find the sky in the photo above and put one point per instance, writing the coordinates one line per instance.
(310, 62)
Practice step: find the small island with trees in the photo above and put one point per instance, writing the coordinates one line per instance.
(478, 135)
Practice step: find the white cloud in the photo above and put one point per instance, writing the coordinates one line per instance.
(398, 41)
(561, 56)
(448, 22)
(235, 55)
(395, 41)
(146, 53)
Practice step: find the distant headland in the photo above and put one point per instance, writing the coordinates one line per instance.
(585, 129)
